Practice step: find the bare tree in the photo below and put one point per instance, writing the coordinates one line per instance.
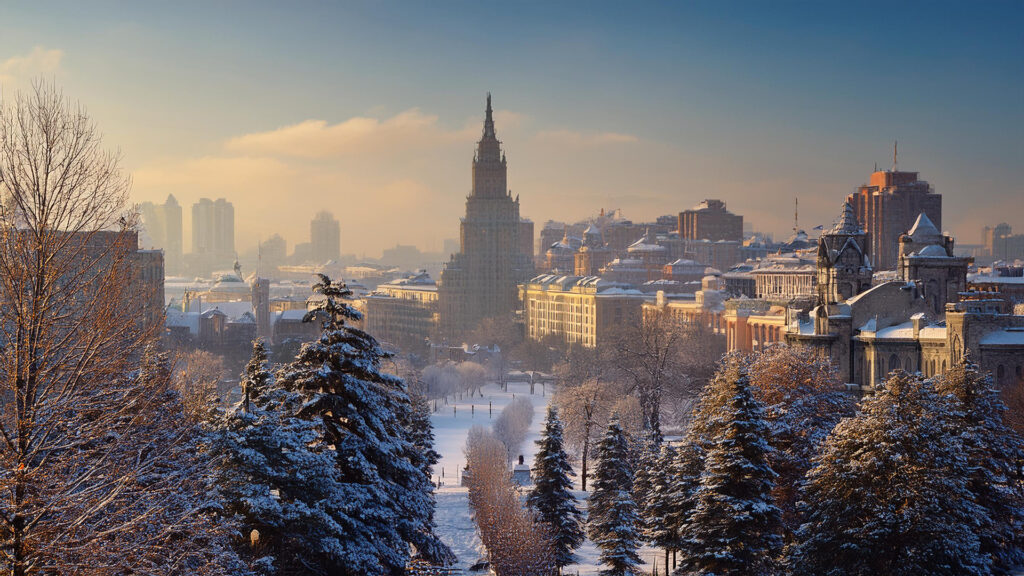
(513, 424)
(585, 410)
(517, 544)
(96, 465)
(196, 376)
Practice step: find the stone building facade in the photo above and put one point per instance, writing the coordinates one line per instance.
(480, 280)
(924, 321)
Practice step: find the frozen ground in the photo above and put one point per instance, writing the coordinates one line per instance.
(454, 520)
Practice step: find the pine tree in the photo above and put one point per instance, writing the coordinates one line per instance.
(889, 493)
(993, 452)
(420, 435)
(646, 466)
(278, 481)
(734, 528)
(612, 517)
(363, 412)
(658, 508)
(551, 495)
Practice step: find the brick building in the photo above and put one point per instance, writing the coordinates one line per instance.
(709, 220)
(887, 206)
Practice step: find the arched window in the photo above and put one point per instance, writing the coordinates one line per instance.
(1000, 374)
(943, 366)
(908, 364)
(894, 363)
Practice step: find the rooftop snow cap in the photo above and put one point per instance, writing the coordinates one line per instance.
(847, 222)
(924, 232)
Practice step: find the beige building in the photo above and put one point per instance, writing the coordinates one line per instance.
(785, 277)
(403, 313)
(580, 310)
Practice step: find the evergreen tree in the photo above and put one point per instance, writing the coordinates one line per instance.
(658, 508)
(420, 434)
(993, 452)
(734, 527)
(278, 481)
(646, 465)
(612, 517)
(363, 413)
(551, 496)
(889, 493)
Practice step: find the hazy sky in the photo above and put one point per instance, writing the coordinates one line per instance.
(371, 109)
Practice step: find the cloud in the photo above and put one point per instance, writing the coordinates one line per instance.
(40, 61)
(586, 139)
(393, 179)
(355, 136)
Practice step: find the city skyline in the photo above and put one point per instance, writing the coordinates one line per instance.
(760, 112)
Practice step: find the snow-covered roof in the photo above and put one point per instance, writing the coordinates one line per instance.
(847, 223)
(932, 251)
(897, 332)
(924, 231)
(1005, 337)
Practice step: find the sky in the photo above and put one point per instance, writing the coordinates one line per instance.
(371, 109)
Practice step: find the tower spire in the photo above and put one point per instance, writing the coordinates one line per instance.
(895, 155)
(489, 119)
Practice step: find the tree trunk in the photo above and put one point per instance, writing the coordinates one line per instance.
(586, 450)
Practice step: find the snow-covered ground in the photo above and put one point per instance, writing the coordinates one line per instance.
(451, 424)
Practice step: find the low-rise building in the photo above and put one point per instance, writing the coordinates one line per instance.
(581, 310)
(404, 312)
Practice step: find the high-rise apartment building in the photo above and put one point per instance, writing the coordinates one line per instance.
(213, 235)
(325, 237)
(887, 206)
(709, 220)
(213, 227)
(162, 225)
(480, 281)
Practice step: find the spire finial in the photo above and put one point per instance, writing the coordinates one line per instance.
(796, 214)
(895, 155)
(488, 119)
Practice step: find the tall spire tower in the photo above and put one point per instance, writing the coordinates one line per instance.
(496, 246)
(490, 172)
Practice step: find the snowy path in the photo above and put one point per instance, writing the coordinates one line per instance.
(451, 425)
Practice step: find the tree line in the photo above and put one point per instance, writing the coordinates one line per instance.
(781, 472)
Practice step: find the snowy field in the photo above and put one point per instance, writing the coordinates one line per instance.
(451, 424)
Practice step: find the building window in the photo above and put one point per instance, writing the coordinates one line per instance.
(894, 363)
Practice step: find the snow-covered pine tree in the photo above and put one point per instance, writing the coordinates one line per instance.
(734, 528)
(889, 493)
(420, 434)
(552, 496)
(278, 480)
(645, 463)
(363, 412)
(803, 399)
(612, 518)
(658, 506)
(994, 452)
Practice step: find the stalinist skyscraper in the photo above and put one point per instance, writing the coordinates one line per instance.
(496, 246)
